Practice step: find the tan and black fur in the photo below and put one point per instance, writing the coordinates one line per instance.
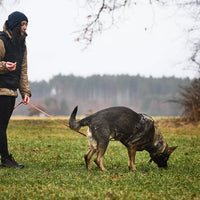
(135, 131)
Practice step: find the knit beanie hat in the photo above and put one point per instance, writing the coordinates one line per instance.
(14, 19)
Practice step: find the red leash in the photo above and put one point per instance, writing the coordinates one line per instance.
(18, 105)
(36, 108)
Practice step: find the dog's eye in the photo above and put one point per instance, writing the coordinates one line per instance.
(165, 158)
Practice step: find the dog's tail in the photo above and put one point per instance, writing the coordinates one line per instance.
(73, 124)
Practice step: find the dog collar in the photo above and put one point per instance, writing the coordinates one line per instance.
(155, 143)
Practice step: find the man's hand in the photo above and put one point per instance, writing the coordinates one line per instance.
(11, 66)
(26, 99)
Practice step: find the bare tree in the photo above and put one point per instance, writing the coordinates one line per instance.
(95, 20)
(189, 100)
(193, 10)
(102, 11)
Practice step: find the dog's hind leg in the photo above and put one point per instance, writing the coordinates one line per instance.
(101, 149)
(131, 154)
(88, 157)
(93, 146)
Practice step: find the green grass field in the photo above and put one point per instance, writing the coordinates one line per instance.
(55, 168)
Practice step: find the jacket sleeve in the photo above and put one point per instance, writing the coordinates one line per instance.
(24, 87)
(3, 68)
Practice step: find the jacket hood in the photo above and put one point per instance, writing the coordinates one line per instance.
(6, 31)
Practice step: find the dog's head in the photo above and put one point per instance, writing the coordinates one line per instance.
(162, 158)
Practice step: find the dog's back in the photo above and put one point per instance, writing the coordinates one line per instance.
(121, 118)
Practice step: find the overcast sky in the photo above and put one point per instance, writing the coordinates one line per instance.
(147, 41)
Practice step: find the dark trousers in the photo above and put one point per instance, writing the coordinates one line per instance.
(7, 104)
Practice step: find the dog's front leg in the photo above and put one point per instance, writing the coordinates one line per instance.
(131, 156)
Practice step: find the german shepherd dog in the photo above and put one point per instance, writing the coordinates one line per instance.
(133, 130)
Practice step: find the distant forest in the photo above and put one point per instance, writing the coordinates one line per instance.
(62, 93)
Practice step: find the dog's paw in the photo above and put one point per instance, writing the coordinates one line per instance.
(132, 168)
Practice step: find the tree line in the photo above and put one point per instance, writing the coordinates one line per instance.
(62, 93)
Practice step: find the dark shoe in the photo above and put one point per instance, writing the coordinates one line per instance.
(10, 162)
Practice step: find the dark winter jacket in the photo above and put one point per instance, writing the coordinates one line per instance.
(10, 81)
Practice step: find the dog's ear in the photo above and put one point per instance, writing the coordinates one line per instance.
(171, 149)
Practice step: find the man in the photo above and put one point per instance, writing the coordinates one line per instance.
(13, 76)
